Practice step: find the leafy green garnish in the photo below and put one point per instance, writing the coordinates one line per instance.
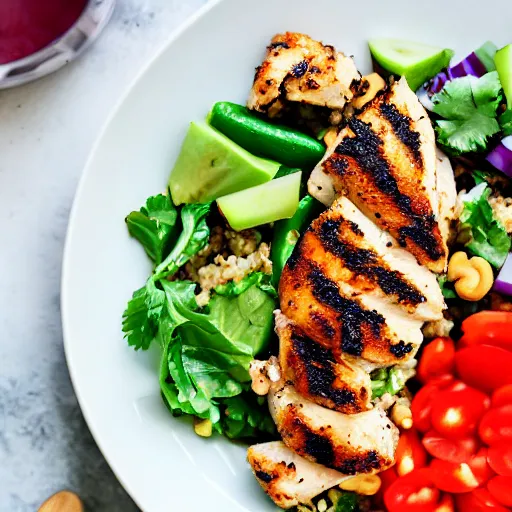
(154, 226)
(143, 313)
(387, 380)
(447, 288)
(469, 108)
(479, 231)
(260, 279)
(505, 121)
(480, 176)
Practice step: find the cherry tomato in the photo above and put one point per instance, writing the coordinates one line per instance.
(410, 453)
(386, 478)
(456, 414)
(488, 328)
(445, 504)
(484, 367)
(414, 492)
(502, 396)
(500, 458)
(438, 358)
(421, 406)
(480, 500)
(452, 477)
(496, 425)
(480, 466)
(501, 489)
(450, 450)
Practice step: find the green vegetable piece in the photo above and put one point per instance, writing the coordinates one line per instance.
(469, 108)
(505, 121)
(287, 232)
(447, 288)
(277, 142)
(154, 226)
(416, 61)
(343, 501)
(503, 61)
(479, 231)
(275, 200)
(233, 289)
(486, 54)
(210, 166)
(387, 380)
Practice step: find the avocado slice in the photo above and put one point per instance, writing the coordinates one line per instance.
(416, 61)
(503, 61)
(275, 200)
(210, 166)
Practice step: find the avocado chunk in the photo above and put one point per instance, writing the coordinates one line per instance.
(275, 200)
(503, 61)
(416, 61)
(210, 166)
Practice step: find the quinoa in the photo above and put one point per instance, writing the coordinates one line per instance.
(440, 328)
(502, 209)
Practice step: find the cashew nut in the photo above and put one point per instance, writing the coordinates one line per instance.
(375, 84)
(473, 277)
(367, 485)
(401, 416)
(203, 428)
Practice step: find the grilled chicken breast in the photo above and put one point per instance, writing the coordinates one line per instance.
(350, 444)
(300, 69)
(288, 478)
(349, 286)
(317, 376)
(447, 193)
(384, 160)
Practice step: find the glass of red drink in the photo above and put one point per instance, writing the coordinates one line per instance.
(39, 36)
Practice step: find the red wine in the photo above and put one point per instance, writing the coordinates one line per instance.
(27, 26)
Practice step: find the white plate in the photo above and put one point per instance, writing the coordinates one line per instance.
(159, 459)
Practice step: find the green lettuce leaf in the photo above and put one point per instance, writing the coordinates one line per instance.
(142, 315)
(479, 231)
(154, 226)
(469, 108)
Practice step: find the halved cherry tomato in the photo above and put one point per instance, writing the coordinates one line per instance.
(414, 492)
(484, 367)
(438, 358)
(500, 458)
(480, 500)
(502, 396)
(386, 478)
(450, 450)
(451, 477)
(421, 406)
(488, 328)
(480, 466)
(501, 489)
(410, 453)
(456, 414)
(496, 426)
(445, 504)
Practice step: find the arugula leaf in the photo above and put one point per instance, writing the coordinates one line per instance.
(446, 288)
(154, 225)
(144, 311)
(505, 121)
(260, 279)
(469, 108)
(479, 231)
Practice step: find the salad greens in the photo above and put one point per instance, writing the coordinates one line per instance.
(206, 352)
(505, 121)
(387, 380)
(481, 233)
(468, 106)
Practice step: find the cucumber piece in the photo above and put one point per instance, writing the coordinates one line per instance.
(260, 137)
(275, 200)
(416, 61)
(210, 166)
(503, 61)
(486, 54)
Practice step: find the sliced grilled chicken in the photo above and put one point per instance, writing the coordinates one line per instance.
(300, 69)
(384, 160)
(350, 444)
(316, 375)
(447, 193)
(288, 478)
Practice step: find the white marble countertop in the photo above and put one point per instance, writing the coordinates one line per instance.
(47, 129)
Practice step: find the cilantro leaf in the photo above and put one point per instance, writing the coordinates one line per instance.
(154, 225)
(505, 121)
(479, 231)
(469, 108)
